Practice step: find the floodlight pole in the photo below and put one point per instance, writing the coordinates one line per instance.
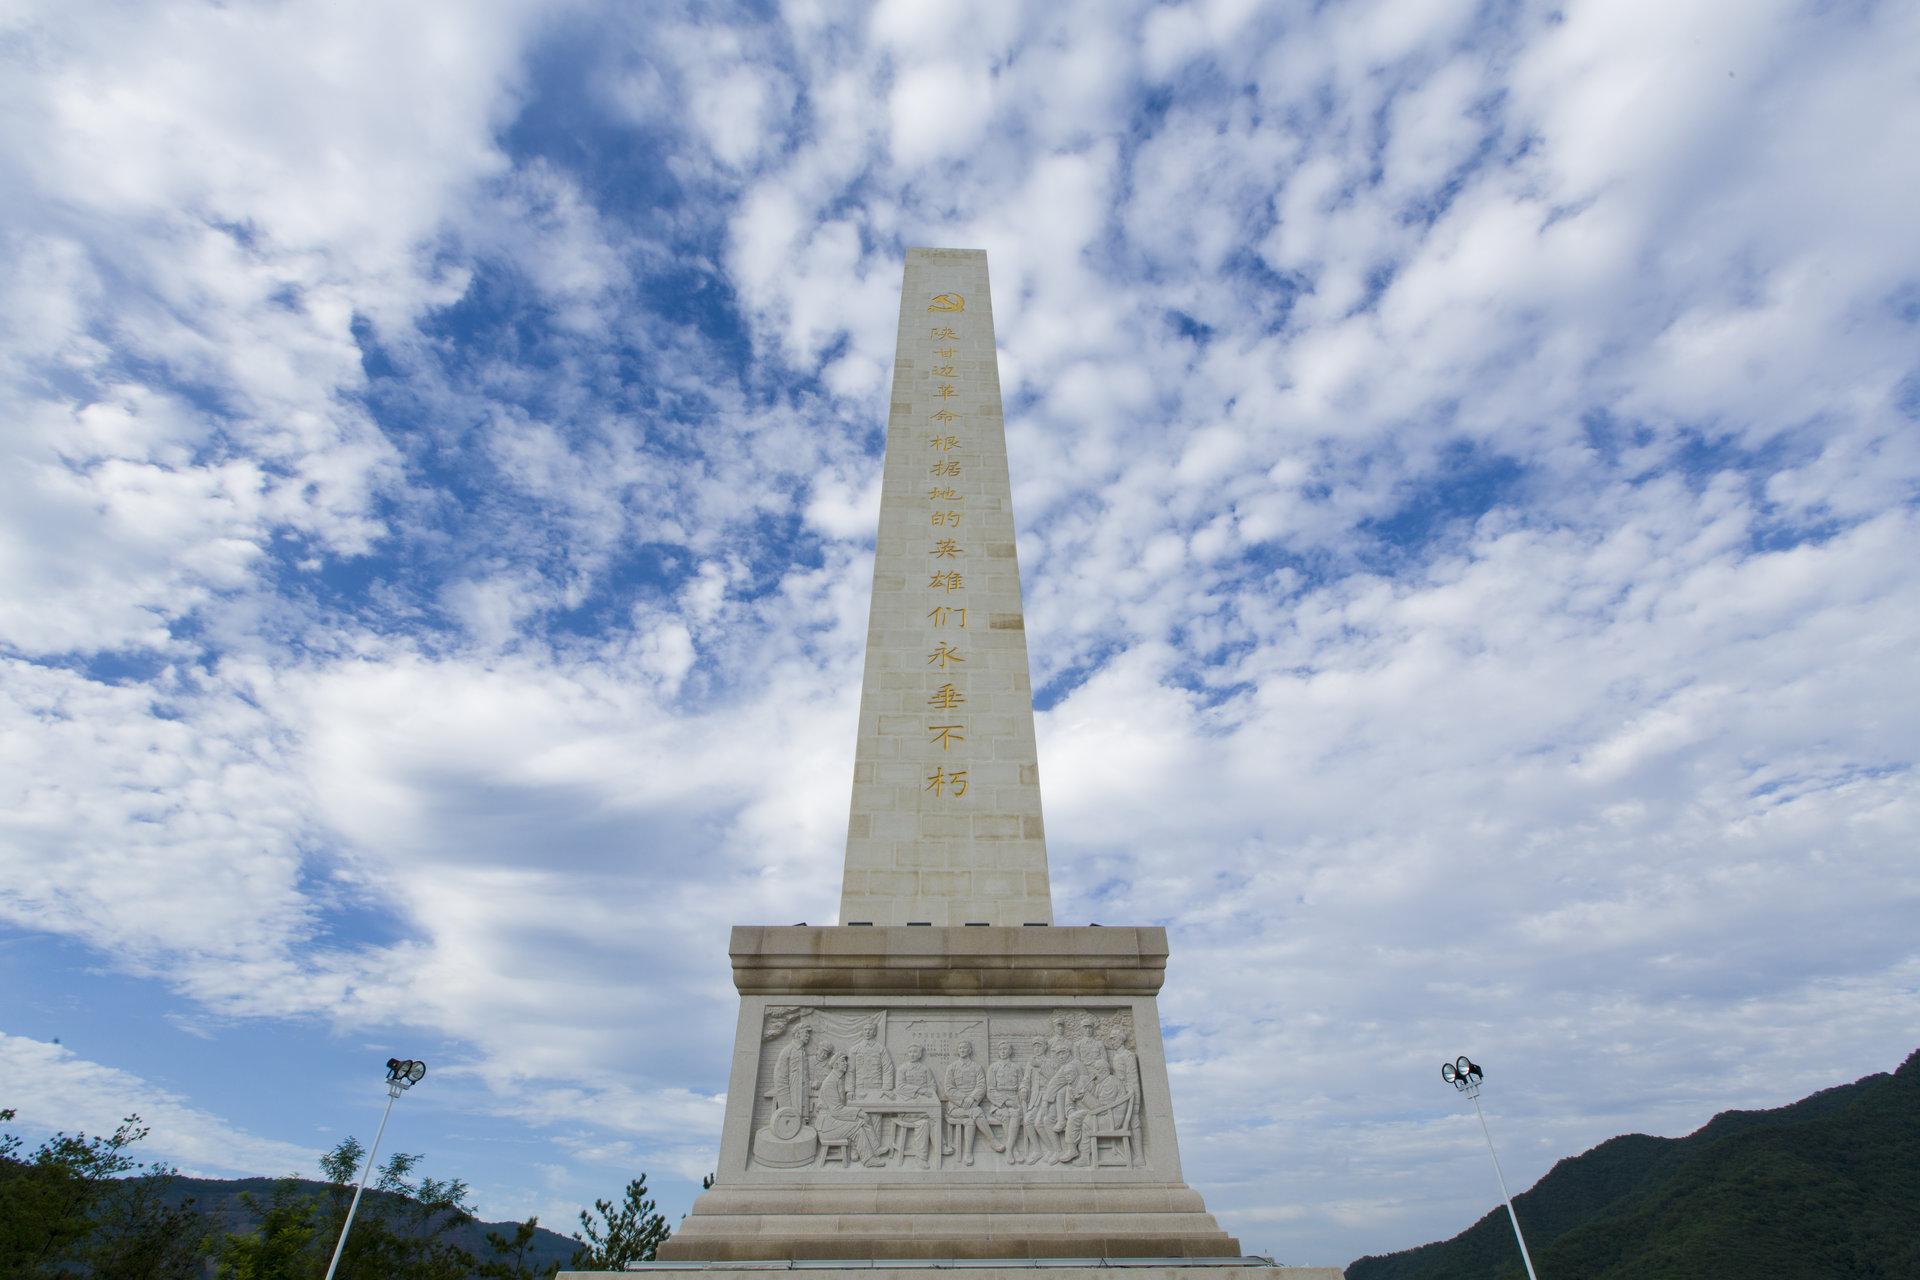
(1511, 1215)
(1465, 1075)
(398, 1082)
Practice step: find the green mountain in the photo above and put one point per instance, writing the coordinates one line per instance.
(219, 1199)
(1825, 1189)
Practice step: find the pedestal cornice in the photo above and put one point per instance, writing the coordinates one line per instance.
(838, 960)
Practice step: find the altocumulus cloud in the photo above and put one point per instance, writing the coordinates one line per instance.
(1465, 461)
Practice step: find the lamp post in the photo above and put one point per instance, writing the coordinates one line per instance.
(402, 1075)
(1465, 1075)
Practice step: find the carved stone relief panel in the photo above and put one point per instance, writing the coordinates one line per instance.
(919, 1090)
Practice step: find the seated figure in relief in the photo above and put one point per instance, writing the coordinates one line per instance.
(1099, 1101)
(835, 1119)
(966, 1087)
(913, 1134)
(1004, 1104)
(1065, 1086)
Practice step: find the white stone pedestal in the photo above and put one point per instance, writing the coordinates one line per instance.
(885, 1145)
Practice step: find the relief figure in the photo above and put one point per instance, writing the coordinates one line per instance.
(790, 1088)
(872, 1064)
(872, 1074)
(1005, 1107)
(838, 1121)
(966, 1087)
(1101, 1105)
(787, 1142)
(1033, 1092)
(1126, 1067)
(914, 1135)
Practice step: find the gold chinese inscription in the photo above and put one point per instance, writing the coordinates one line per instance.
(946, 514)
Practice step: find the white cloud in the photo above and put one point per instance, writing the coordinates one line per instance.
(1464, 499)
(53, 1089)
(939, 109)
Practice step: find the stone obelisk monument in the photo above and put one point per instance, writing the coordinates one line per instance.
(946, 1074)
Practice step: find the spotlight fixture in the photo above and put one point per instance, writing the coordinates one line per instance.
(404, 1073)
(1463, 1074)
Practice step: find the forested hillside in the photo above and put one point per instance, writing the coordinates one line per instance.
(81, 1207)
(1828, 1187)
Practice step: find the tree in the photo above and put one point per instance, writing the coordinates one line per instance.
(509, 1261)
(631, 1235)
(81, 1206)
(140, 1235)
(400, 1231)
(283, 1246)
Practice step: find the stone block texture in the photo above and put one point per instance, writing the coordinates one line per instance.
(946, 826)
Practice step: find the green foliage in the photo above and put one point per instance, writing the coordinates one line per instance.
(509, 1260)
(140, 1234)
(80, 1206)
(1828, 1187)
(631, 1235)
(282, 1247)
(399, 1230)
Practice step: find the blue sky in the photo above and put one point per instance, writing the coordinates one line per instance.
(1465, 458)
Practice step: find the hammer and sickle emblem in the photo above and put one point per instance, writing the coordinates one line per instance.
(948, 302)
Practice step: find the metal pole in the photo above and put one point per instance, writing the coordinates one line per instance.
(392, 1094)
(1511, 1215)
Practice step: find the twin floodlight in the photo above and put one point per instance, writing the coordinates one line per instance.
(1462, 1073)
(404, 1073)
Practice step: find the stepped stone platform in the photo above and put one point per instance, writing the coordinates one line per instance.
(1244, 1268)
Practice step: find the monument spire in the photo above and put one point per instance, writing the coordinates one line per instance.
(902, 1097)
(945, 826)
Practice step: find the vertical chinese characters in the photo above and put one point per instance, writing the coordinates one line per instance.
(945, 553)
